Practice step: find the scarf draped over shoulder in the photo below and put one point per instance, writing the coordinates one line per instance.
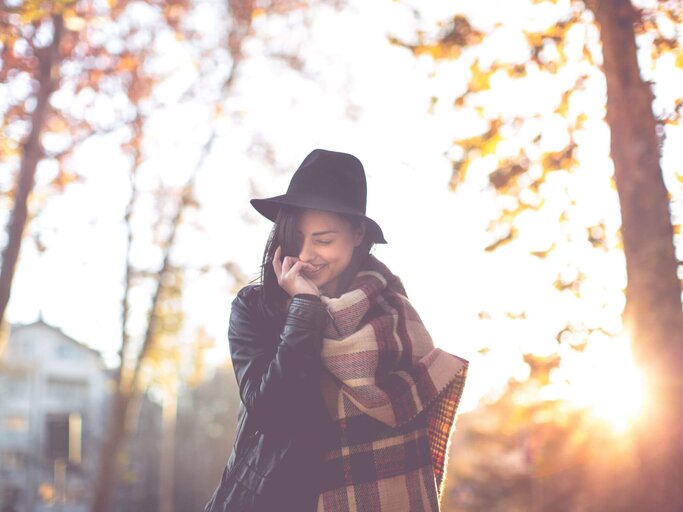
(392, 396)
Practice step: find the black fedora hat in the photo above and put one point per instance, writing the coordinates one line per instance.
(326, 180)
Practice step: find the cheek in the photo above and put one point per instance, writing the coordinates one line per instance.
(332, 256)
(336, 256)
(343, 259)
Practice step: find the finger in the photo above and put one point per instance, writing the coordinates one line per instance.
(301, 267)
(296, 268)
(288, 263)
(277, 264)
(303, 276)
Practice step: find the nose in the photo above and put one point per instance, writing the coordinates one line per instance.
(306, 254)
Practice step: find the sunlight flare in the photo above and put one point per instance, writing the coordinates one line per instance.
(610, 383)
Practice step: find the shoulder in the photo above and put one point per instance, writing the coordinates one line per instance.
(248, 296)
(244, 311)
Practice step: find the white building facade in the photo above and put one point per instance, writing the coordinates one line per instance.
(53, 416)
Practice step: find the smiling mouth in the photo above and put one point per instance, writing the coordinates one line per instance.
(314, 272)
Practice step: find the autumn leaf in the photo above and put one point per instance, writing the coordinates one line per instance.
(480, 80)
(509, 237)
(544, 253)
(504, 176)
(559, 160)
(679, 60)
(128, 63)
(73, 22)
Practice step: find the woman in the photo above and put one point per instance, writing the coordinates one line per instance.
(346, 403)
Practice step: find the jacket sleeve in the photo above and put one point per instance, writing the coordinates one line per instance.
(272, 377)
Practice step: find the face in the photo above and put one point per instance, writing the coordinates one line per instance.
(327, 241)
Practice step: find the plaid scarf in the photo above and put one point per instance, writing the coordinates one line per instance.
(383, 370)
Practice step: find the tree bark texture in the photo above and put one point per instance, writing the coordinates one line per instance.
(652, 315)
(116, 432)
(48, 79)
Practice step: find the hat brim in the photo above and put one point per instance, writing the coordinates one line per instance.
(269, 208)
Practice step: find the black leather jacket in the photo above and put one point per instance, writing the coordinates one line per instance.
(276, 359)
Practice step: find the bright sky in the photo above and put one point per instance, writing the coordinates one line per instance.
(436, 237)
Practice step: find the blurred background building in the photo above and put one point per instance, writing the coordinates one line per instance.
(53, 415)
(53, 391)
(54, 405)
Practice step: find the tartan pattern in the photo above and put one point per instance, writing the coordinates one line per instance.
(383, 370)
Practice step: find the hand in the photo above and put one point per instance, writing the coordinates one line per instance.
(289, 277)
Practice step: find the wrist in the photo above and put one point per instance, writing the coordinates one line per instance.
(308, 312)
(307, 296)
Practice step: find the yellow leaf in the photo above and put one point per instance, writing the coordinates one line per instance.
(31, 11)
(438, 51)
(534, 39)
(73, 22)
(490, 144)
(679, 60)
(516, 70)
(480, 78)
(581, 120)
(458, 174)
(57, 123)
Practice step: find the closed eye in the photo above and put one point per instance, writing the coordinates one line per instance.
(325, 242)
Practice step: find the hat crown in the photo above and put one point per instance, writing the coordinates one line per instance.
(332, 175)
(329, 181)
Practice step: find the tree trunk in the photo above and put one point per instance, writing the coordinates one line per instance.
(48, 60)
(168, 446)
(108, 460)
(653, 315)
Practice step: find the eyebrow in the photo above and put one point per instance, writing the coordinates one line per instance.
(322, 232)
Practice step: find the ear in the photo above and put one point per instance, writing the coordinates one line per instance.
(360, 233)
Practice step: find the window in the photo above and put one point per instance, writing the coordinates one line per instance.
(64, 436)
(12, 459)
(27, 348)
(69, 390)
(15, 423)
(63, 352)
(14, 385)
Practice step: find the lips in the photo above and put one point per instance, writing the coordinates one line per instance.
(315, 271)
